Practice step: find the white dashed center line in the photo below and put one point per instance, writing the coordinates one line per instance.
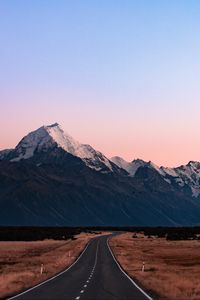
(91, 274)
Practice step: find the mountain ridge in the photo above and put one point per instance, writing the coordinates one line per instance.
(49, 136)
(188, 174)
(52, 179)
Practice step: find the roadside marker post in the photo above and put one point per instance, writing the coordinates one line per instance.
(143, 266)
(41, 269)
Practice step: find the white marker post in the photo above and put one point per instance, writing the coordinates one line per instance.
(41, 269)
(143, 266)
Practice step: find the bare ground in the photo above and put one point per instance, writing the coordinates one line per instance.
(172, 268)
(20, 262)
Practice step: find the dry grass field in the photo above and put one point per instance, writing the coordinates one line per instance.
(20, 262)
(172, 268)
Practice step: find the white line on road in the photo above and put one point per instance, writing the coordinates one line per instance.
(34, 287)
(95, 263)
(133, 282)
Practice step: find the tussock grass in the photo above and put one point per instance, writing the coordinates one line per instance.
(172, 268)
(20, 262)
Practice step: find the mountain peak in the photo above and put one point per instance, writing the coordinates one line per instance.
(120, 162)
(44, 138)
(130, 167)
(193, 163)
(138, 160)
(51, 136)
(53, 125)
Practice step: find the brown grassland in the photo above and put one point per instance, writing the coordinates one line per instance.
(172, 268)
(20, 262)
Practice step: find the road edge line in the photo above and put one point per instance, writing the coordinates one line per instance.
(55, 276)
(132, 281)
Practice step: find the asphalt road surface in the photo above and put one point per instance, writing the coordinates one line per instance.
(94, 276)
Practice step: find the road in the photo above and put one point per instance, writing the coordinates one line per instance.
(94, 276)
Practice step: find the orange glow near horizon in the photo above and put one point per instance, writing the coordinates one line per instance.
(122, 76)
(165, 150)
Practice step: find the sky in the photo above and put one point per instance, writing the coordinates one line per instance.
(120, 75)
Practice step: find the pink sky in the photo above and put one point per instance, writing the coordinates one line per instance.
(121, 76)
(129, 132)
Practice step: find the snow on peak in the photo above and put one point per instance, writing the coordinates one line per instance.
(63, 140)
(53, 125)
(185, 175)
(51, 136)
(157, 168)
(130, 167)
(35, 140)
(47, 137)
(120, 162)
(135, 165)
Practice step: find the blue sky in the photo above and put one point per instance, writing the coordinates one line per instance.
(120, 75)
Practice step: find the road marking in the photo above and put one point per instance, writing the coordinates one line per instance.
(132, 281)
(59, 274)
(95, 263)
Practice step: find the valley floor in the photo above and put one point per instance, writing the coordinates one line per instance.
(20, 262)
(172, 268)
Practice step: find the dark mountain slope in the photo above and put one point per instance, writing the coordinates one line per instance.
(57, 188)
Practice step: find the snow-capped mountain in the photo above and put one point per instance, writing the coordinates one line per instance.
(188, 175)
(52, 179)
(48, 137)
(133, 166)
(183, 176)
(120, 162)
